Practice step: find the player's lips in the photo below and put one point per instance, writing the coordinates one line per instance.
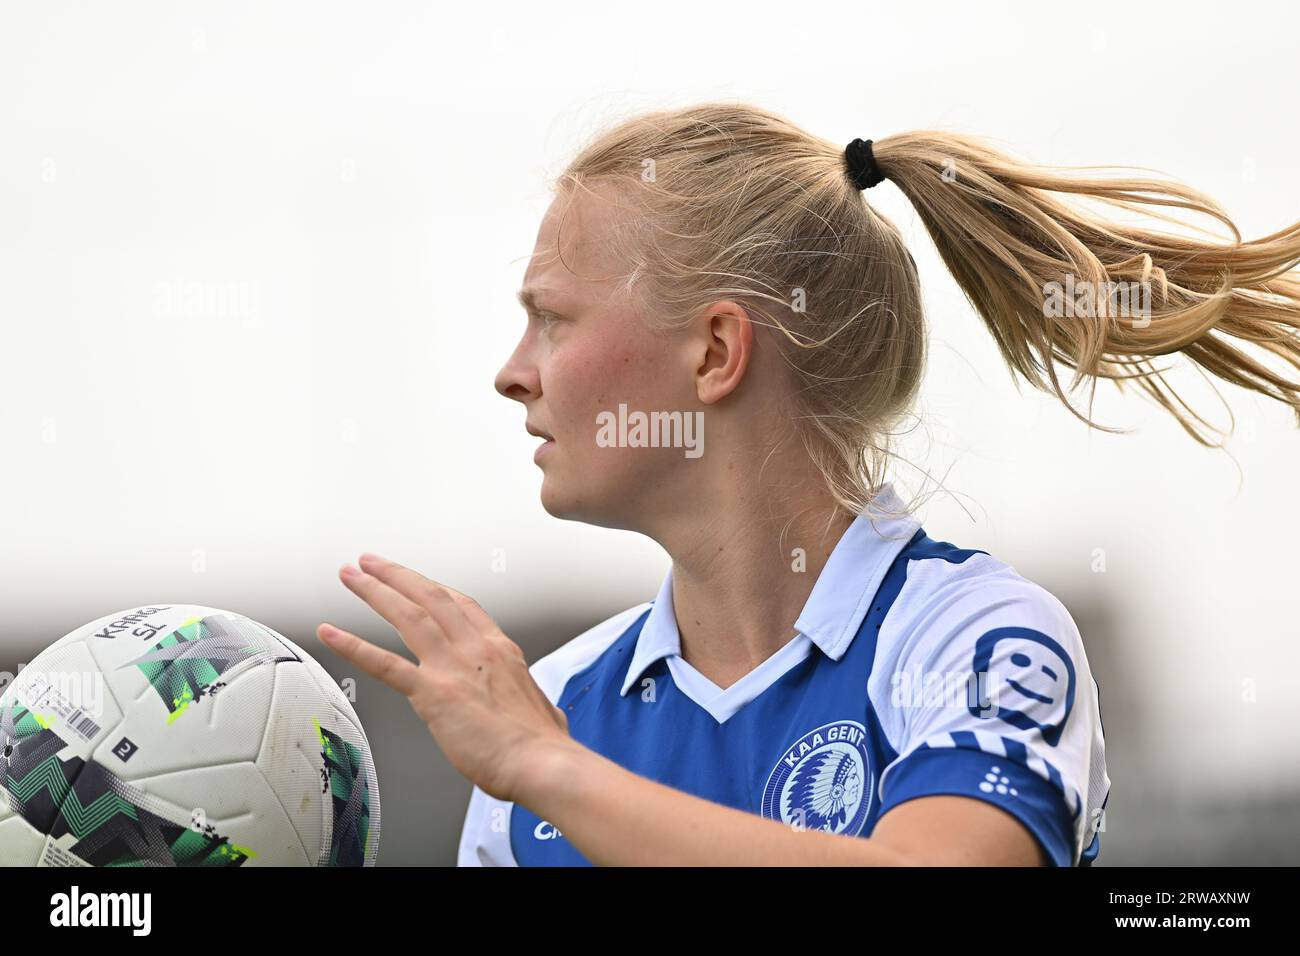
(544, 446)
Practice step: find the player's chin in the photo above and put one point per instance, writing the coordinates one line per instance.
(558, 498)
(561, 498)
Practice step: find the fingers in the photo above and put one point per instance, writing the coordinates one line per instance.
(449, 615)
(482, 621)
(473, 612)
(459, 617)
(393, 669)
(418, 630)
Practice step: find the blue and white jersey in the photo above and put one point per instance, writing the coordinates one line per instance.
(918, 668)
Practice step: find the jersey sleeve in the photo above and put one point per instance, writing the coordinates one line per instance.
(485, 835)
(995, 701)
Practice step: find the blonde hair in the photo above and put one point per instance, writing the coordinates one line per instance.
(734, 201)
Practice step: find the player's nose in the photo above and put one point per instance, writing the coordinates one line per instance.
(518, 378)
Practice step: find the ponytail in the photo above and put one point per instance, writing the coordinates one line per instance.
(1021, 256)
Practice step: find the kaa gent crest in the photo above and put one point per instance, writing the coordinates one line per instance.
(823, 781)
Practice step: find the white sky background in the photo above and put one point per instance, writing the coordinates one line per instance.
(363, 184)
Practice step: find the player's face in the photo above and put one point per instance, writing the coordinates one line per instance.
(585, 351)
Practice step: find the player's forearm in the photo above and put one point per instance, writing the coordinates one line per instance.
(615, 817)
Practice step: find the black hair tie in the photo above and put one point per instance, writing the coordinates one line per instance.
(863, 170)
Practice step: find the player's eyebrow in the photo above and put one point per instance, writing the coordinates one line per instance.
(528, 297)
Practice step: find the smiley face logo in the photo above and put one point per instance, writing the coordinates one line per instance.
(1033, 678)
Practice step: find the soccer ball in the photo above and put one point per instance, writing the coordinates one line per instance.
(181, 735)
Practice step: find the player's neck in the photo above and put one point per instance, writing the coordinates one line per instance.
(740, 584)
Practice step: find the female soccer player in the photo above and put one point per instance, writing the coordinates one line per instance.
(814, 666)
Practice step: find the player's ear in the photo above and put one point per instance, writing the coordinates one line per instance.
(722, 345)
